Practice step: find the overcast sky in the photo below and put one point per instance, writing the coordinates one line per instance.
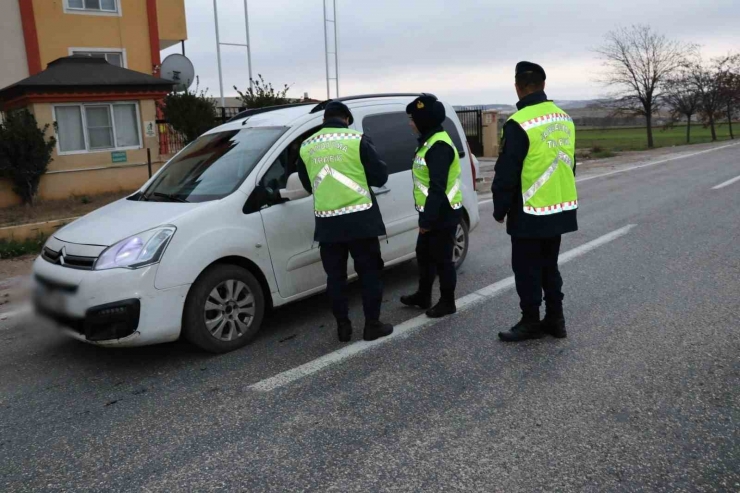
(463, 51)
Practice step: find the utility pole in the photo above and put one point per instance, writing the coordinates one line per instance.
(331, 50)
(246, 45)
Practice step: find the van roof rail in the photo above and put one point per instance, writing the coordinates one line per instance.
(266, 109)
(322, 105)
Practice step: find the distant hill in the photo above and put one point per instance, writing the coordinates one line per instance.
(564, 104)
(580, 104)
(497, 107)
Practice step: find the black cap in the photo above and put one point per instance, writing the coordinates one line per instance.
(334, 108)
(427, 112)
(522, 67)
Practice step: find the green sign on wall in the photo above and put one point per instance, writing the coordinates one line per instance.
(118, 156)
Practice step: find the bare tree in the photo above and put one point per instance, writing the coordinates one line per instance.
(730, 89)
(639, 62)
(682, 99)
(708, 82)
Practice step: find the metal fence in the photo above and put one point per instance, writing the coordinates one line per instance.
(170, 141)
(228, 113)
(471, 120)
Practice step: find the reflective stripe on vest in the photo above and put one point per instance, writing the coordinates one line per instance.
(338, 180)
(548, 182)
(344, 180)
(420, 174)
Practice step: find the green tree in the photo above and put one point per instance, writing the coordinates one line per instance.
(190, 113)
(25, 152)
(261, 94)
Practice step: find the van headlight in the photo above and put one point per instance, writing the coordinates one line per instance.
(137, 251)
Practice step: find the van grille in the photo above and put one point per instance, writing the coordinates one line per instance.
(65, 260)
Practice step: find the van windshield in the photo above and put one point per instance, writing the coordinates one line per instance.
(213, 166)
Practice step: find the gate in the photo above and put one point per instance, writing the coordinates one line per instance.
(472, 122)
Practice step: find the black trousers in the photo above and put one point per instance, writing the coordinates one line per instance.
(434, 256)
(535, 264)
(368, 264)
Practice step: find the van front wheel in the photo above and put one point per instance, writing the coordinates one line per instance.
(224, 309)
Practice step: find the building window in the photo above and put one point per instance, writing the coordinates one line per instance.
(93, 5)
(97, 127)
(114, 58)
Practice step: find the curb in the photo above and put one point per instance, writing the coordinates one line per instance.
(21, 232)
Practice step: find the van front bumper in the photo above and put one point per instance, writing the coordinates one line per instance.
(117, 307)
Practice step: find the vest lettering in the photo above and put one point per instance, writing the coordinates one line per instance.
(339, 182)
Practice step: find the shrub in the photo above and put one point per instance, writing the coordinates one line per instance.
(261, 94)
(190, 113)
(25, 153)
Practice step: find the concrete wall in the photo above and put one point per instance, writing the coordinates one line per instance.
(491, 134)
(90, 173)
(14, 62)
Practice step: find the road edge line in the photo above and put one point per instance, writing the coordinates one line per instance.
(405, 329)
(654, 163)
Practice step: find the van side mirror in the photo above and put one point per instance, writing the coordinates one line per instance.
(294, 189)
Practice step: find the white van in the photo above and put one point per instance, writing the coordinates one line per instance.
(198, 251)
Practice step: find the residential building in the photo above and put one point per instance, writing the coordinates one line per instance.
(105, 119)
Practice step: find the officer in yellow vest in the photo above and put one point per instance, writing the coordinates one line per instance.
(438, 198)
(339, 166)
(534, 189)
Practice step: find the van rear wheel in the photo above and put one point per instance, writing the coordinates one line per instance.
(224, 309)
(462, 243)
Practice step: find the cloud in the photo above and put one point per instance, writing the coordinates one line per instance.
(461, 50)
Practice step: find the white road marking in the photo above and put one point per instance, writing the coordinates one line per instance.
(408, 327)
(653, 163)
(727, 183)
(645, 165)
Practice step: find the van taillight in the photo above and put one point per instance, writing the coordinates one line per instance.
(472, 164)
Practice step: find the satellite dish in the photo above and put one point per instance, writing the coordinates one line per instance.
(179, 69)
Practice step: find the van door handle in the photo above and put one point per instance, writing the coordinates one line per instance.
(381, 190)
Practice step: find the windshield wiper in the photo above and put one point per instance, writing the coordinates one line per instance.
(170, 196)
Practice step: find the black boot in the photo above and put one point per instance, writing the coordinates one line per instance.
(445, 307)
(529, 327)
(375, 329)
(419, 299)
(554, 324)
(344, 330)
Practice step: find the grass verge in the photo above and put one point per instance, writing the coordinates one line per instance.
(19, 248)
(635, 139)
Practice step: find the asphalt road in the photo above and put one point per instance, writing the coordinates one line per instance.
(642, 396)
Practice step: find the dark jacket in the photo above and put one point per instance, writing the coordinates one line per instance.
(358, 225)
(438, 213)
(507, 185)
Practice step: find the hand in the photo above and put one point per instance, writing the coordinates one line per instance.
(424, 231)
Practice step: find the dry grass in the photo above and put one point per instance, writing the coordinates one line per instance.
(74, 206)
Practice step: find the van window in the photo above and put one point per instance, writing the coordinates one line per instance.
(213, 166)
(396, 142)
(393, 138)
(285, 164)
